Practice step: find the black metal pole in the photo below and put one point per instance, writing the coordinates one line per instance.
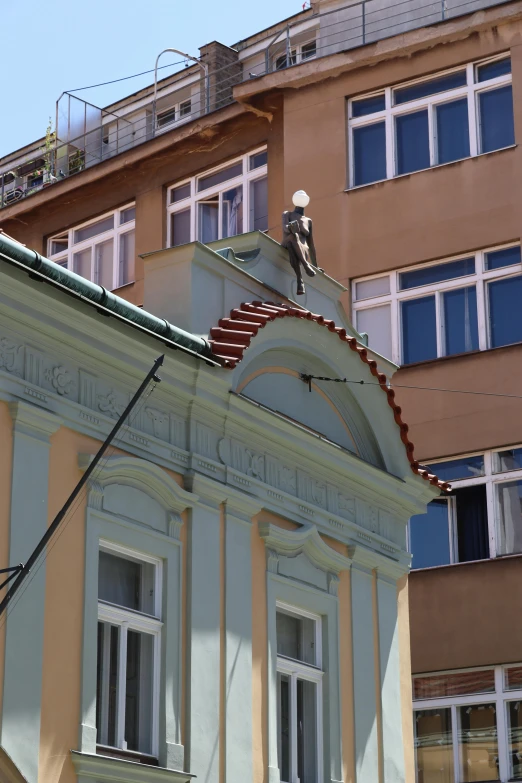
(151, 375)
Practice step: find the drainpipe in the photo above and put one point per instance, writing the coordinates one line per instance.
(21, 256)
(204, 66)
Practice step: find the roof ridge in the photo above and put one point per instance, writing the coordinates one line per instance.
(230, 339)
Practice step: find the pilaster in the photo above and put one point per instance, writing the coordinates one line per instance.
(20, 728)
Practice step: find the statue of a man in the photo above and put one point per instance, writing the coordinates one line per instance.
(298, 239)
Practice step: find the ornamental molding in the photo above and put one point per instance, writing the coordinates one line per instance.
(305, 540)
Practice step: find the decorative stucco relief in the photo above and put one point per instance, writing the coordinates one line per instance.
(8, 354)
(60, 379)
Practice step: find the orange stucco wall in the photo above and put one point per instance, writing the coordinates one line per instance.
(6, 439)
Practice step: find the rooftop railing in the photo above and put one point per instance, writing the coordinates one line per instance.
(86, 135)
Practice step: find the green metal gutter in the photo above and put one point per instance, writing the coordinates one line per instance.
(15, 253)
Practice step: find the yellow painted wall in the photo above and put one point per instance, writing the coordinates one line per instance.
(405, 675)
(6, 460)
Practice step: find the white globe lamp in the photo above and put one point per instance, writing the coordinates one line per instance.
(300, 199)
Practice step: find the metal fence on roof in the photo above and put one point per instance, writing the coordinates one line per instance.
(86, 135)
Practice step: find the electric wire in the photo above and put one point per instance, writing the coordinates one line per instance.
(74, 508)
(305, 378)
(125, 78)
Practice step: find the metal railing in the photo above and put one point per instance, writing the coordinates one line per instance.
(87, 135)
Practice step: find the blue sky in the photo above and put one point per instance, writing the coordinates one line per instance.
(51, 47)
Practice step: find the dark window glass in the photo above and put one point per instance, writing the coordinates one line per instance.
(180, 193)
(81, 234)
(511, 459)
(180, 228)
(435, 686)
(493, 70)
(126, 215)
(436, 274)
(505, 313)
(419, 333)
(259, 205)
(284, 725)
(432, 87)
(467, 467)
(510, 522)
(369, 153)
(166, 117)
(368, 105)
(472, 523)
(259, 159)
(497, 129)
(452, 131)
(308, 50)
(220, 176)
(460, 320)
(514, 710)
(499, 258)
(119, 581)
(413, 149)
(429, 536)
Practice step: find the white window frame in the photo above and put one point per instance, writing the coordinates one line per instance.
(178, 118)
(296, 51)
(480, 279)
(129, 620)
(471, 90)
(499, 697)
(66, 258)
(492, 479)
(245, 179)
(297, 670)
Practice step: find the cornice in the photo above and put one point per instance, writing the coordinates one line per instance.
(369, 560)
(107, 769)
(305, 540)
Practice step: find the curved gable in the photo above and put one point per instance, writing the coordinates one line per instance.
(234, 335)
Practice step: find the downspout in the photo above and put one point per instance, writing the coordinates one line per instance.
(14, 252)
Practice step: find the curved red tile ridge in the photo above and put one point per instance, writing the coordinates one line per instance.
(232, 336)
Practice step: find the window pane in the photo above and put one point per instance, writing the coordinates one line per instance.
(94, 229)
(429, 536)
(514, 720)
(510, 522)
(511, 459)
(127, 247)
(295, 637)
(493, 70)
(58, 245)
(368, 105)
(126, 215)
(513, 678)
(308, 50)
(259, 204)
(232, 212)
(419, 335)
(138, 691)
(185, 108)
(220, 176)
(369, 153)
(82, 263)
(208, 213)
(413, 150)
(496, 119)
(376, 287)
(180, 227)
(376, 322)
(258, 160)
(106, 683)
(434, 746)
(103, 264)
(472, 523)
(283, 721)
(452, 131)
(478, 749)
(454, 684)
(166, 117)
(306, 731)
(509, 256)
(505, 315)
(126, 582)
(431, 87)
(178, 194)
(467, 467)
(460, 320)
(436, 274)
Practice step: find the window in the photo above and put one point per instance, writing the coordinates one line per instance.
(101, 250)
(296, 54)
(462, 113)
(230, 200)
(129, 631)
(170, 116)
(480, 518)
(299, 695)
(468, 725)
(444, 308)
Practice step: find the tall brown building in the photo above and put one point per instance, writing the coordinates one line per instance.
(401, 120)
